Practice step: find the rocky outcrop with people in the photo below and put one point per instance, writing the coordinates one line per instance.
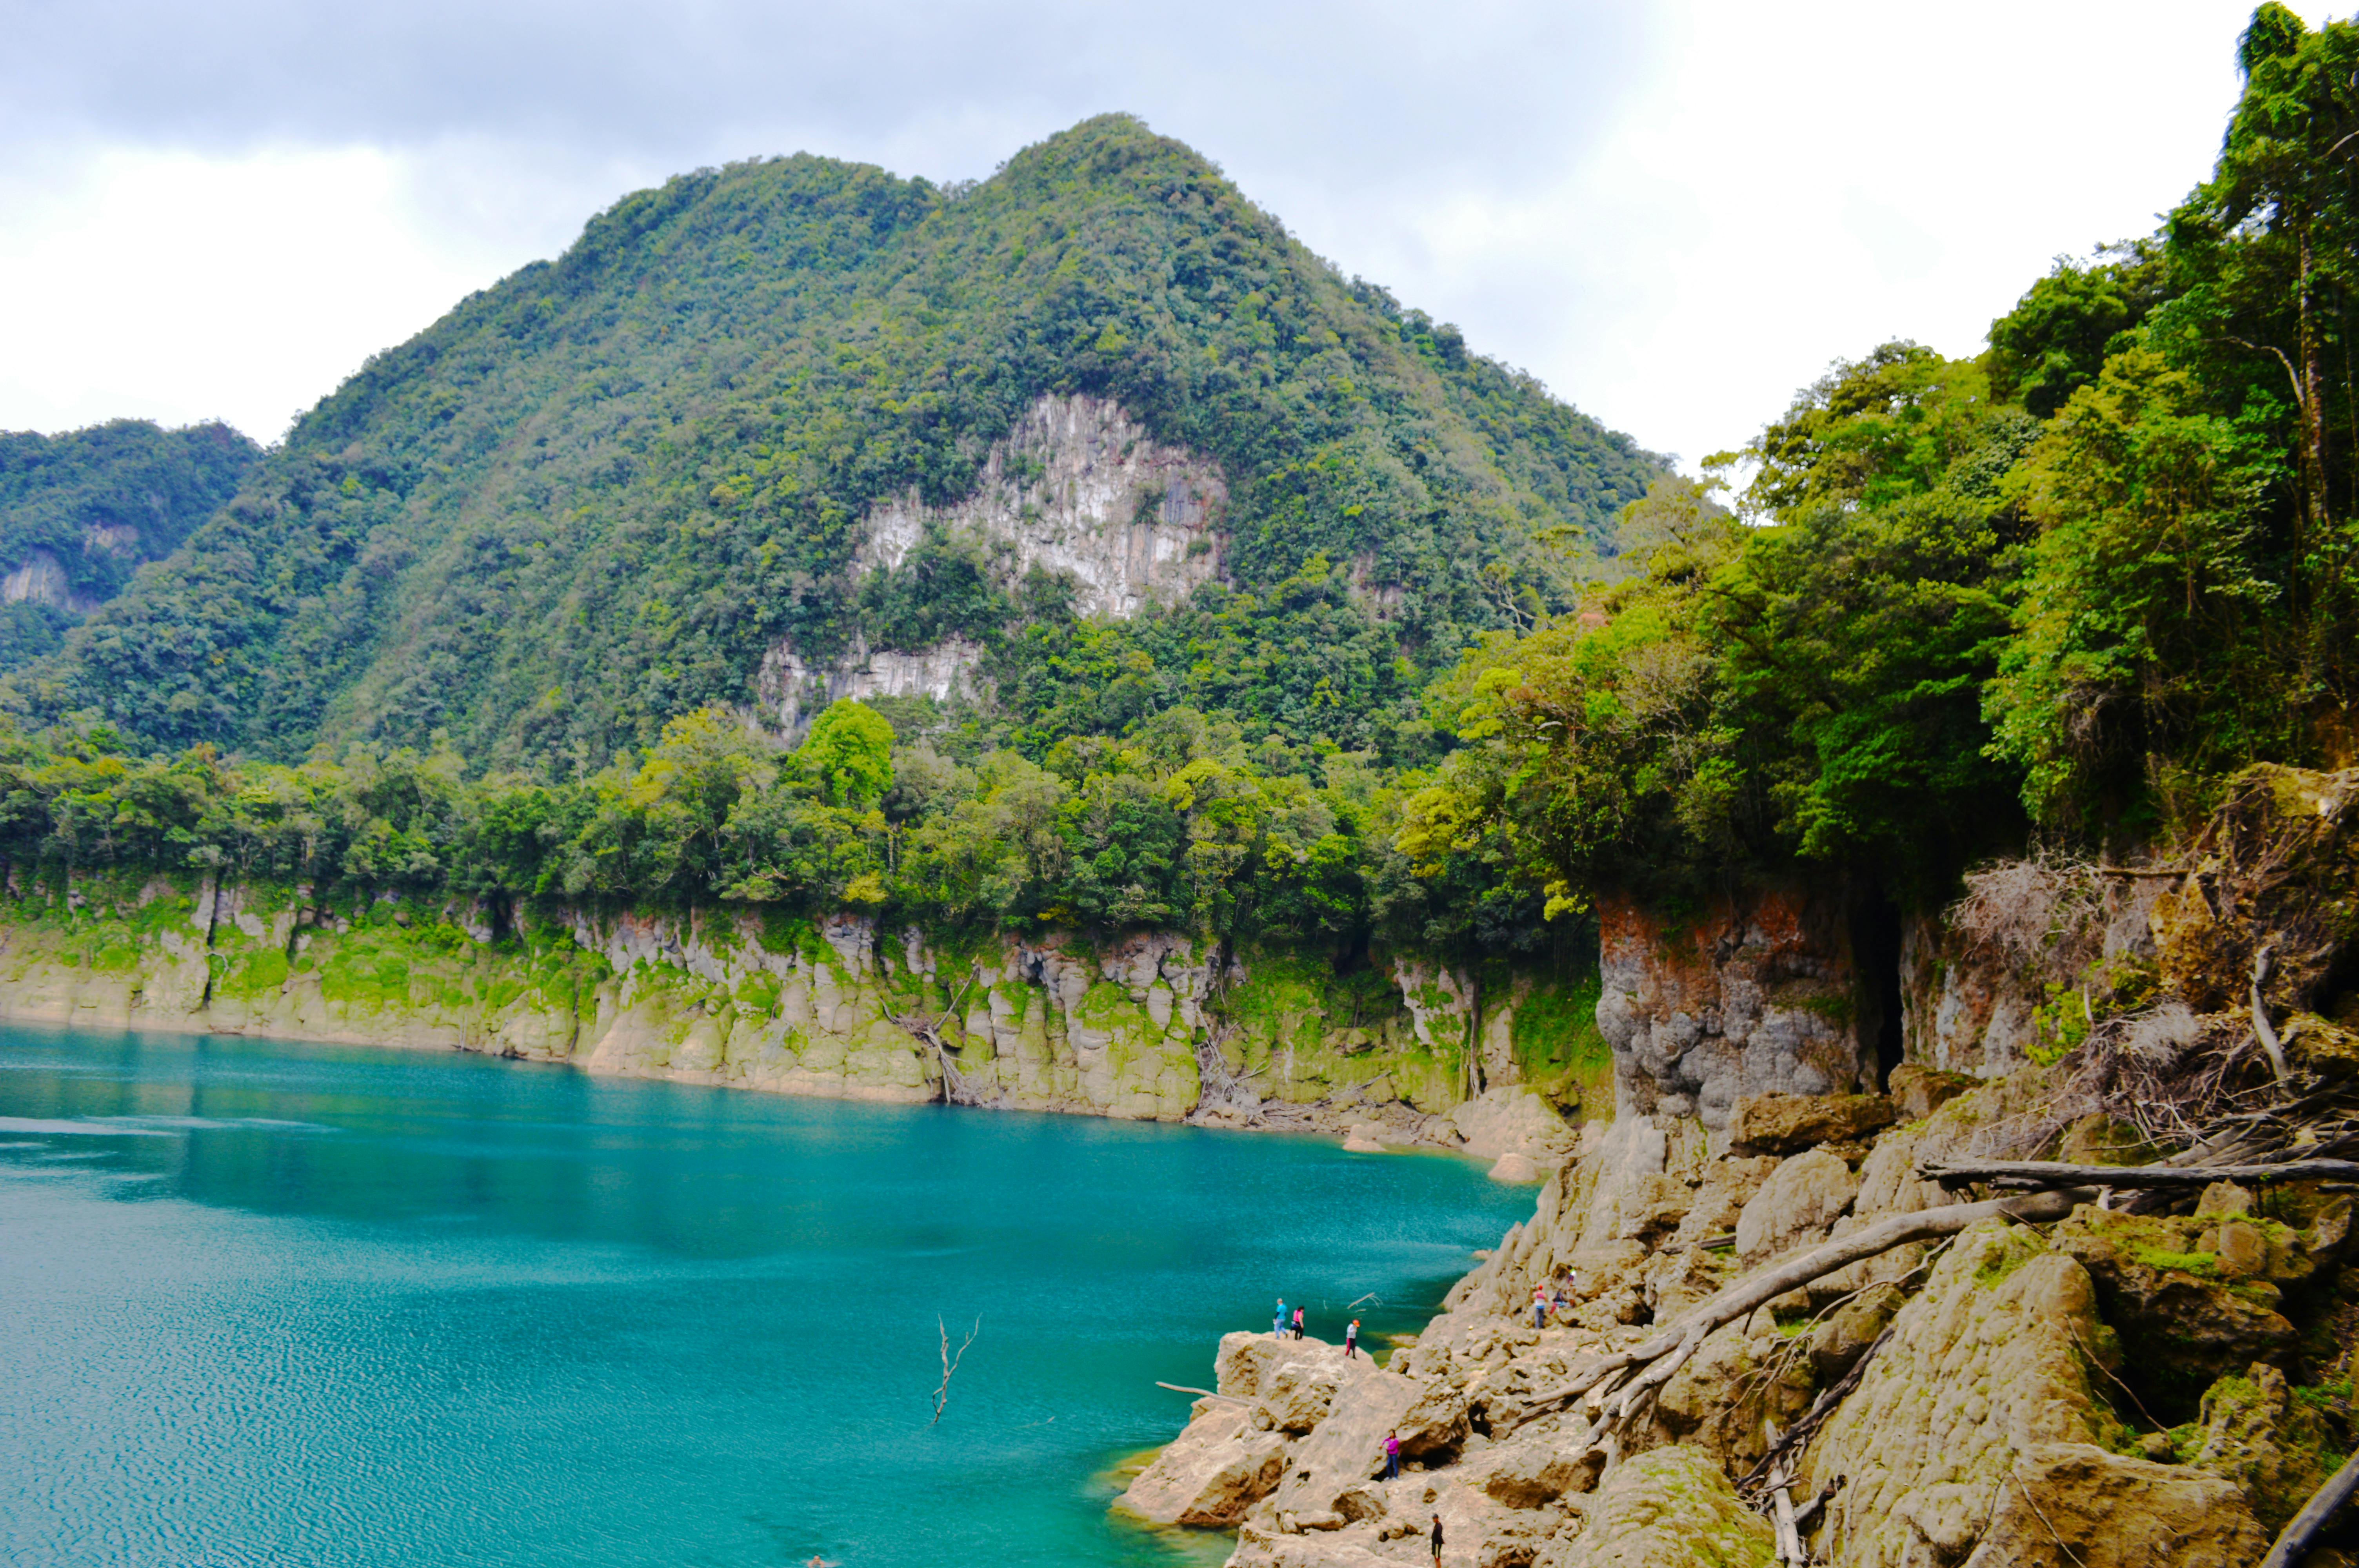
(2091, 1304)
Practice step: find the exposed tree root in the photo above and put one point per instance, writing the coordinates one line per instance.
(1658, 1359)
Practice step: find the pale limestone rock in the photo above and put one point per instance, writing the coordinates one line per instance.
(1300, 1391)
(1537, 1471)
(1804, 1196)
(1669, 1508)
(1077, 487)
(1213, 1472)
(1246, 1363)
(1346, 1447)
(1515, 1167)
(1502, 1121)
(1750, 996)
(1987, 1384)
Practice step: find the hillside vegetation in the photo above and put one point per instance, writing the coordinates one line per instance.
(488, 622)
(490, 618)
(81, 511)
(592, 497)
(2070, 586)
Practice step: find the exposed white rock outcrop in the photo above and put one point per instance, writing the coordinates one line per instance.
(1079, 489)
(40, 579)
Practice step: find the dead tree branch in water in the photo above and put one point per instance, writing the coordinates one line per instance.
(950, 1365)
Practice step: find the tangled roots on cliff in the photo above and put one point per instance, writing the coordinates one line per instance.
(2043, 914)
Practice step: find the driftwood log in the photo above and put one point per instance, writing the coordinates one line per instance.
(2294, 1542)
(2048, 1175)
(1649, 1365)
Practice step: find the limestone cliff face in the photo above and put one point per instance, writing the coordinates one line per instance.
(1754, 996)
(1149, 1026)
(1078, 488)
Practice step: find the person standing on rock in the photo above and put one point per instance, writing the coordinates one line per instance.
(1277, 1323)
(1298, 1323)
(1437, 1540)
(1391, 1455)
(1352, 1341)
(1539, 1306)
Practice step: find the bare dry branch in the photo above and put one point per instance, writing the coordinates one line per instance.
(950, 1365)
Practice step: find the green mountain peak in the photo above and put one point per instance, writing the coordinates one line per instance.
(644, 478)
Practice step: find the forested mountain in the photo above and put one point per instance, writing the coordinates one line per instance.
(525, 595)
(80, 513)
(598, 495)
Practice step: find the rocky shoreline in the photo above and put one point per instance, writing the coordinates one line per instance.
(2003, 1411)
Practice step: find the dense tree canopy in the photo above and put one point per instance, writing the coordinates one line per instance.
(595, 496)
(86, 508)
(2072, 584)
(2068, 586)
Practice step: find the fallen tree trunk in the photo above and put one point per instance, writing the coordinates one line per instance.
(2293, 1542)
(2043, 1175)
(1667, 1352)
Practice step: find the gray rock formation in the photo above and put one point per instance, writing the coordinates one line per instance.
(1752, 998)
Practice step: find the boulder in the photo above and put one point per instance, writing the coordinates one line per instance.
(1346, 1447)
(2186, 1312)
(1980, 1416)
(2074, 1504)
(1297, 1400)
(1785, 1124)
(1917, 1092)
(1434, 1420)
(1536, 1472)
(1244, 1361)
(1515, 1167)
(1212, 1473)
(1364, 1138)
(2273, 1446)
(1802, 1198)
(1513, 1121)
(2224, 1198)
(1669, 1508)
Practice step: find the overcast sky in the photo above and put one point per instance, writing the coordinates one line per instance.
(1675, 214)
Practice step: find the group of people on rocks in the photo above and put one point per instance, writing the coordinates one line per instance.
(1552, 1297)
(1280, 1326)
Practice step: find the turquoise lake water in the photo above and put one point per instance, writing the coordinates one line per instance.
(264, 1302)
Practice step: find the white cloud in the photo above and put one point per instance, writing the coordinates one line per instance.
(1674, 216)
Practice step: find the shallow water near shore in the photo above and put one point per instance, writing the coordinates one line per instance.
(264, 1302)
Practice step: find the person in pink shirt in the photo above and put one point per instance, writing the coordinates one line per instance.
(1392, 1457)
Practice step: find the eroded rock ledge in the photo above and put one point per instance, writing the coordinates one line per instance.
(2013, 1413)
(1149, 1026)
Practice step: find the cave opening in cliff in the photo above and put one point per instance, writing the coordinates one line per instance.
(1876, 950)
